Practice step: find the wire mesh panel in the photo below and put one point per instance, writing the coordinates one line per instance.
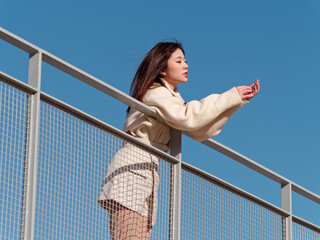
(14, 109)
(80, 164)
(210, 211)
(162, 229)
(301, 232)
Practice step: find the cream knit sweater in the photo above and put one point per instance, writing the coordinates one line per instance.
(202, 119)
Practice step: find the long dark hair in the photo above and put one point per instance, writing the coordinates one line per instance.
(149, 71)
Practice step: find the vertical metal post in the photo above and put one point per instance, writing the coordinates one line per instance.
(175, 204)
(286, 204)
(30, 171)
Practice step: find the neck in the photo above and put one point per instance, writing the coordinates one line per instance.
(171, 85)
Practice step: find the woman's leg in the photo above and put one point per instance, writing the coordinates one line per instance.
(127, 224)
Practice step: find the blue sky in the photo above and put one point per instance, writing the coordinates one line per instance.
(227, 43)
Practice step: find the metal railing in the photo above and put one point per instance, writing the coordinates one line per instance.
(54, 156)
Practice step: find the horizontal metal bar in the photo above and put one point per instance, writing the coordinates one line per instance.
(100, 85)
(235, 189)
(78, 73)
(306, 193)
(58, 103)
(17, 83)
(18, 42)
(306, 223)
(259, 168)
(245, 161)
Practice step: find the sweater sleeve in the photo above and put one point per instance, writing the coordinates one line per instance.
(196, 117)
(214, 127)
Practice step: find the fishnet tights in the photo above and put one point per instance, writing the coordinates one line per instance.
(126, 224)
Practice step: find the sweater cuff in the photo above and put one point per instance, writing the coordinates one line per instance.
(244, 101)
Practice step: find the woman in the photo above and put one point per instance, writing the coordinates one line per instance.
(129, 191)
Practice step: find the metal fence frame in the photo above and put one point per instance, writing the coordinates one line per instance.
(37, 55)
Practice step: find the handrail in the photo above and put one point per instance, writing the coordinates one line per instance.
(260, 169)
(99, 85)
(18, 42)
(124, 98)
(239, 191)
(306, 223)
(27, 88)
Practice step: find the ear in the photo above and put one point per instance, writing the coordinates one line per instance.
(163, 73)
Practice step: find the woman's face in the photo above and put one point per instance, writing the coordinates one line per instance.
(177, 69)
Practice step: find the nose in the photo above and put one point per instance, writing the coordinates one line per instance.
(186, 66)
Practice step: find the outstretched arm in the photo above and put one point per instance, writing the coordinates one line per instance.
(194, 114)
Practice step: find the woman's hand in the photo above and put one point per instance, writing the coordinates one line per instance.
(248, 92)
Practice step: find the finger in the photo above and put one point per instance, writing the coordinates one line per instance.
(250, 87)
(249, 96)
(246, 87)
(247, 91)
(258, 82)
(258, 85)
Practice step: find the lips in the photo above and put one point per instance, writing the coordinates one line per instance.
(186, 74)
